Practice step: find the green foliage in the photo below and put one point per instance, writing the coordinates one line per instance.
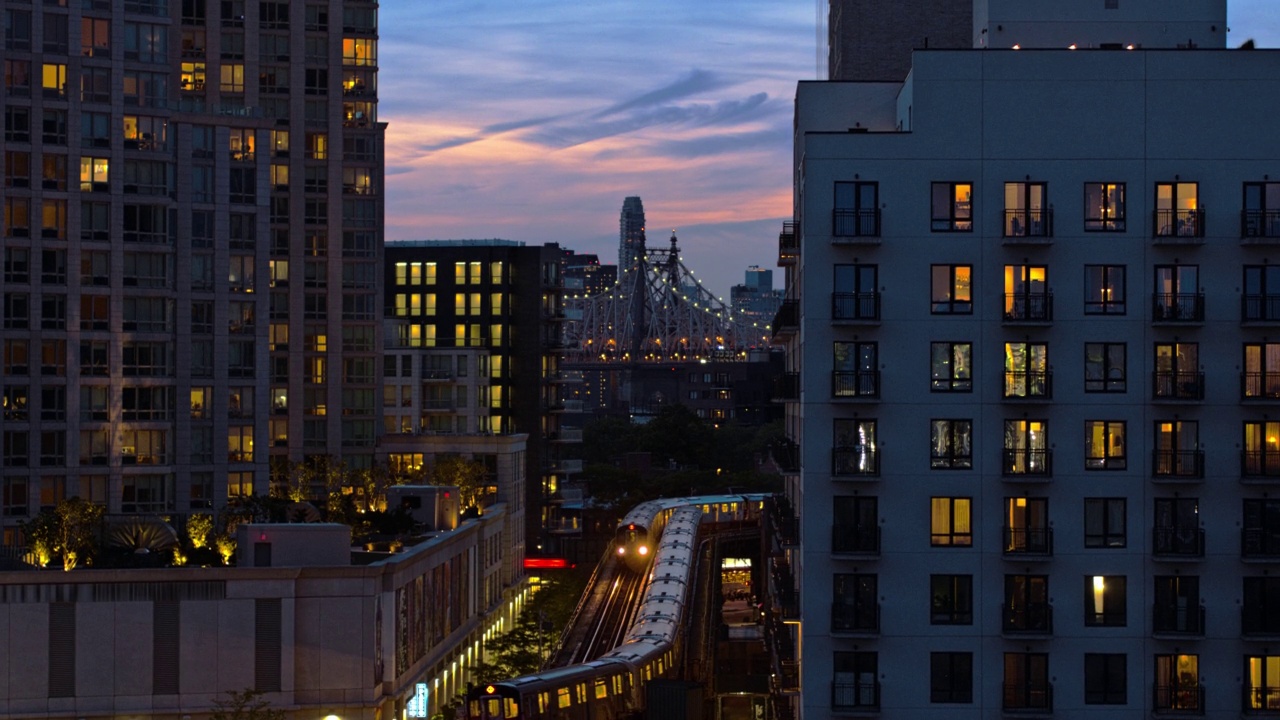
(79, 522)
(523, 649)
(471, 477)
(247, 704)
(42, 533)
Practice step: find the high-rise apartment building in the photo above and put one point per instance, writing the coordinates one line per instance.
(630, 233)
(869, 40)
(192, 239)
(1033, 312)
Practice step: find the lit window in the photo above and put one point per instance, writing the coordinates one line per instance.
(951, 444)
(1104, 207)
(952, 207)
(951, 289)
(951, 366)
(950, 522)
(1104, 445)
(1104, 600)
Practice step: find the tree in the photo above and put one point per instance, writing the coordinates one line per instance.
(199, 526)
(470, 476)
(41, 533)
(247, 704)
(78, 522)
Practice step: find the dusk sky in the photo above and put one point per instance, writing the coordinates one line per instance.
(532, 121)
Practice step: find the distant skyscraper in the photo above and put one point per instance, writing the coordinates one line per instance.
(630, 233)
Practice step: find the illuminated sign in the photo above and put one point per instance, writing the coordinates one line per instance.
(417, 705)
(531, 563)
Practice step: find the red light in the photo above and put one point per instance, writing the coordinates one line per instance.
(545, 563)
(446, 494)
(632, 526)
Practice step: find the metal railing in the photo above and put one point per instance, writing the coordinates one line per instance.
(1177, 307)
(1177, 542)
(1032, 618)
(1028, 224)
(858, 383)
(1178, 223)
(1036, 463)
(851, 307)
(1028, 307)
(849, 223)
(1184, 464)
(852, 462)
(1180, 385)
(1028, 541)
(1172, 619)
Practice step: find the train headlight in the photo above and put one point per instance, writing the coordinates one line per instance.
(644, 549)
(622, 550)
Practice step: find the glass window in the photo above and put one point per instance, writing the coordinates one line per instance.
(951, 599)
(1026, 448)
(1261, 216)
(855, 371)
(854, 450)
(1027, 528)
(1104, 290)
(951, 444)
(952, 289)
(950, 677)
(1177, 212)
(1104, 367)
(855, 296)
(857, 210)
(1104, 523)
(1026, 370)
(950, 524)
(1105, 679)
(1104, 207)
(1104, 445)
(1104, 601)
(1026, 293)
(951, 365)
(1178, 683)
(1177, 296)
(952, 207)
(1261, 291)
(1026, 210)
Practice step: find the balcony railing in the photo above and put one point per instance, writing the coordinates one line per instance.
(1177, 307)
(1033, 696)
(861, 619)
(1028, 384)
(1028, 307)
(1177, 464)
(1260, 386)
(856, 384)
(1261, 701)
(1259, 620)
(1175, 385)
(1260, 224)
(788, 244)
(1028, 541)
(851, 308)
(855, 462)
(786, 321)
(1174, 619)
(1181, 699)
(849, 225)
(1030, 618)
(1258, 307)
(1178, 225)
(786, 453)
(857, 695)
(1259, 464)
(1177, 542)
(855, 539)
(1260, 543)
(1035, 463)
(786, 387)
(1028, 225)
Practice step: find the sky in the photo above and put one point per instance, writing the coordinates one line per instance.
(532, 121)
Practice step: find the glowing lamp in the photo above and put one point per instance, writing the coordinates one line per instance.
(644, 549)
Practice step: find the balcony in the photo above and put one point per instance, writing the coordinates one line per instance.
(1028, 543)
(1260, 543)
(855, 696)
(852, 539)
(438, 405)
(1028, 465)
(1177, 543)
(1259, 466)
(566, 466)
(855, 227)
(1177, 620)
(1027, 619)
(1259, 308)
(786, 387)
(855, 618)
(1028, 697)
(1178, 227)
(788, 244)
(786, 455)
(1260, 227)
(1174, 385)
(1033, 385)
(1023, 227)
(853, 463)
(855, 308)
(1259, 620)
(786, 322)
(567, 406)
(1028, 308)
(1177, 308)
(863, 385)
(1185, 699)
(784, 595)
(567, 435)
(1177, 465)
(1259, 386)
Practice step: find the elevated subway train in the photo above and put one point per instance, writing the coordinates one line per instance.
(614, 685)
(633, 541)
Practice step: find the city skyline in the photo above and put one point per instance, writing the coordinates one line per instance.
(538, 133)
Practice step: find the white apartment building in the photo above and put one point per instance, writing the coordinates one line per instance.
(1034, 313)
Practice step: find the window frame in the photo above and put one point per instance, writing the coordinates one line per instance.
(956, 450)
(1106, 537)
(951, 304)
(1104, 221)
(1114, 449)
(1104, 369)
(1108, 693)
(952, 218)
(943, 530)
(1104, 304)
(1113, 592)
(950, 599)
(950, 677)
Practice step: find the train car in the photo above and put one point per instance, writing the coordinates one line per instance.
(639, 530)
(611, 687)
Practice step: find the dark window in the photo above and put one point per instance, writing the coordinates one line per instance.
(1177, 527)
(1261, 299)
(855, 525)
(1260, 536)
(856, 681)
(951, 599)
(951, 677)
(857, 210)
(1026, 604)
(951, 289)
(1261, 612)
(952, 207)
(1105, 679)
(1177, 606)
(1261, 215)
(1026, 682)
(855, 370)
(951, 366)
(1027, 528)
(855, 607)
(1104, 601)
(951, 444)
(1177, 372)
(1104, 367)
(1177, 296)
(855, 296)
(1104, 523)
(1104, 290)
(1104, 207)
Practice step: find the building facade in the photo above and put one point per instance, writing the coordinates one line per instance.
(1030, 312)
(630, 233)
(478, 325)
(185, 318)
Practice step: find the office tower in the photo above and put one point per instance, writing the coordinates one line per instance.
(479, 323)
(200, 307)
(1033, 314)
(630, 233)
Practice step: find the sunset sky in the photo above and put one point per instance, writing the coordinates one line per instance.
(532, 121)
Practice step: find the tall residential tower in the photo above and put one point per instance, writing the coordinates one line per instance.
(630, 233)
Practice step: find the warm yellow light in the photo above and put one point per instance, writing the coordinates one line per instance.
(644, 550)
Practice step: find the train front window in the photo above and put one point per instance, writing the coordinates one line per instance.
(511, 708)
(602, 689)
(493, 708)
